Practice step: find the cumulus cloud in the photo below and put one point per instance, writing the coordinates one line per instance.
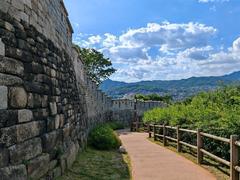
(168, 35)
(196, 53)
(94, 39)
(166, 51)
(183, 65)
(110, 40)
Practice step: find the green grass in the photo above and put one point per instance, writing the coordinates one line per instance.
(99, 165)
(220, 171)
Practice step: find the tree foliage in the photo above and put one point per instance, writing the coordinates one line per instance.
(97, 66)
(216, 112)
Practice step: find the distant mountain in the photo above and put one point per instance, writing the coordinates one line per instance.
(179, 89)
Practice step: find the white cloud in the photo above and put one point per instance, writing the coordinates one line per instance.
(94, 39)
(166, 51)
(236, 45)
(196, 53)
(168, 36)
(110, 40)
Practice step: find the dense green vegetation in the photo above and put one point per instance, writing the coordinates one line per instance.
(104, 138)
(216, 112)
(94, 164)
(154, 97)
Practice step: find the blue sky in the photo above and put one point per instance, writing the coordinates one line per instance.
(159, 39)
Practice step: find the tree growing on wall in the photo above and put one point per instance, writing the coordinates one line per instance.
(97, 66)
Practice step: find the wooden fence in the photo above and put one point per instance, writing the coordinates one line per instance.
(233, 142)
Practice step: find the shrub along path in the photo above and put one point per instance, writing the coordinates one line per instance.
(153, 162)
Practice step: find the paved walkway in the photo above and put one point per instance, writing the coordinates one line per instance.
(153, 162)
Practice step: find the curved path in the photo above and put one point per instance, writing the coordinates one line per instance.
(153, 162)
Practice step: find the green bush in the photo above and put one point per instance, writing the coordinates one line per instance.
(216, 112)
(116, 125)
(104, 138)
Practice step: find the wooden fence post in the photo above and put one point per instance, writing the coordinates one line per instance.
(234, 175)
(199, 146)
(164, 135)
(149, 131)
(137, 126)
(178, 140)
(131, 127)
(154, 132)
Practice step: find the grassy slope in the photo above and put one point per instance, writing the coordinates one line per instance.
(99, 165)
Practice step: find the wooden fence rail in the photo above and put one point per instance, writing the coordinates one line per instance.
(233, 143)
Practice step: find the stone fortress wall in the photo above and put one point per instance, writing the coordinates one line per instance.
(47, 102)
(126, 111)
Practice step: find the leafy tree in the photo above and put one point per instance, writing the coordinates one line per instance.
(97, 66)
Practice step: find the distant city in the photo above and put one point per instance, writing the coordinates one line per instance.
(178, 89)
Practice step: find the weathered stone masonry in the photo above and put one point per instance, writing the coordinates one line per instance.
(46, 107)
(126, 111)
(47, 102)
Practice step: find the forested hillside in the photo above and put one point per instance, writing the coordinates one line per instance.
(178, 89)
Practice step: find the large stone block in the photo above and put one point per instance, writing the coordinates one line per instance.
(57, 121)
(10, 80)
(18, 97)
(25, 151)
(28, 3)
(18, 5)
(8, 136)
(5, 6)
(71, 154)
(44, 101)
(4, 157)
(41, 114)
(19, 54)
(34, 100)
(24, 16)
(3, 97)
(38, 88)
(66, 131)
(51, 140)
(61, 120)
(7, 26)
(2, 48)
(8, 118)
(53, 73)
(30, 100)
(38, 167)
(13, 173)
(24, 116)
(19, 133)
(29, 130)
(53, 123)
(53, 108)
(11, 66)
